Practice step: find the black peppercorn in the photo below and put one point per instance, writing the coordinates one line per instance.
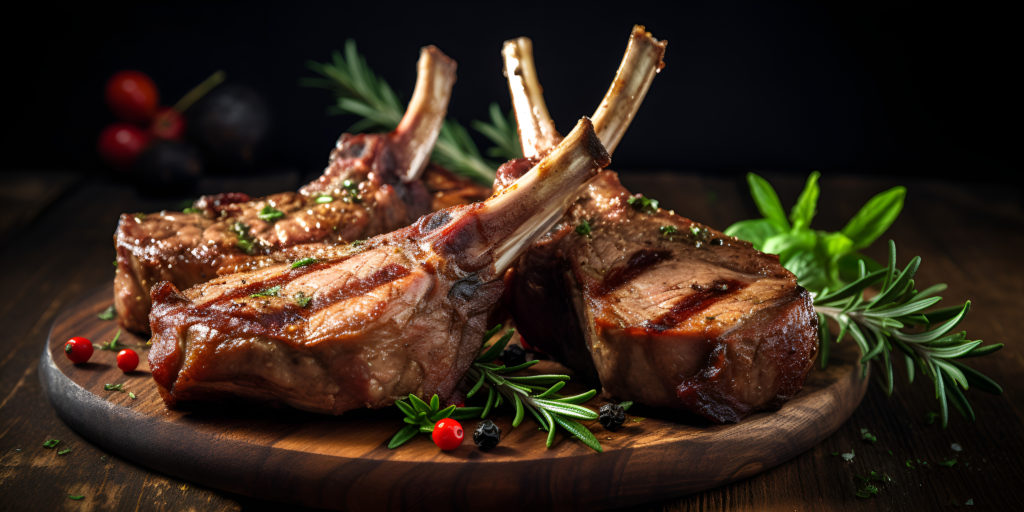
(514, 355)
(612, 416)
(487, 434)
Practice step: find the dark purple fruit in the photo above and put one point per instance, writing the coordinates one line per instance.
(169, 167)
(232, 126)
(612, 416)
(487, 435)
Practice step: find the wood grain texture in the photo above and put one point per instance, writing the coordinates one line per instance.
(342, 462)
(970, 235)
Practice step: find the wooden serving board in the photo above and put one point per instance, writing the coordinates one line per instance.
(343, 462)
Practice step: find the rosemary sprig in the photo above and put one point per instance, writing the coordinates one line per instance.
(536, 394)
(362, 93)
(897, 319)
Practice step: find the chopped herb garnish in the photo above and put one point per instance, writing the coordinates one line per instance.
(324, 199)
(357, 243)
(65, 451)
(930, 417)
(140, 216)
(50, 443)
(866, 435)
(269, 292)
(643, 204)
(111, 345)
(668, 231)
(107, 314)
(848, 456)
(969, 502)
(302, 299)
(956, 447)
(353, 191)
(948, 462)
(909, 464)
(270, 214)
(191, 209)
(131, 395)
(76, 497)
(303, 262)
(867, 491)
(583, 228)
(244, 242)
(113, 387)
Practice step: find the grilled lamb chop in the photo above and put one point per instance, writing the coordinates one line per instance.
(402, 313)
(373, 184)
(663, 310)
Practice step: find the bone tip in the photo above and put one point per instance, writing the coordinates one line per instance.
(641, 35)
(432, 56)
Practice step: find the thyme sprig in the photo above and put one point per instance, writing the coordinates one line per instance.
(897, 320)
(360, 92)
(536, 394)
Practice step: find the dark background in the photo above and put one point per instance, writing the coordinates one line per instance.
(899, 88)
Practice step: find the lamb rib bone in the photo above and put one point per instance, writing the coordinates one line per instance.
(228, 234)
(402, 313)
(666, 320)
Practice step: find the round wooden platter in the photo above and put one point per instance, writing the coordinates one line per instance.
(343, 462)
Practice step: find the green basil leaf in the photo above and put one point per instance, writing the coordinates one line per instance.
(767, 201)
(755, 231)
(784, 243)
(875, 217)
(804, 209)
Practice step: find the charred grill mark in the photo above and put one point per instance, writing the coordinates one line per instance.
(702, 299)
(275, 316)
(382, 276)
(637, 264)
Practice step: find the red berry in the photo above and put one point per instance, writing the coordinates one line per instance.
(447, 434)
(120, 144)
(78, 349)
(132, 96)
(127, 360)
(168, 124)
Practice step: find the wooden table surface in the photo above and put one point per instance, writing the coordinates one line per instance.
(55, 246)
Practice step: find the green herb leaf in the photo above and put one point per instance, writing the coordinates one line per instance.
(767, 202)
(269, 292)
(324, 199)
(50, 443)
(64, 451)
(303, 262)
(113, 387)
(76, 497)
(875, 217)
(270, 214)
(667, 231)
(107, 314)
(245, 241)
(302, 299)
(583, 228)
(111, 345)
(804, 209)
(644, 204)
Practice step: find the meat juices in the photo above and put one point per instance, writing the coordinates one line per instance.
(374, 183)
(402, 313)
(660, 309)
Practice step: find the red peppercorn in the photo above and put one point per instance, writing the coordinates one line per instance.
(447, 434)
(127, 360)
(78, 349)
